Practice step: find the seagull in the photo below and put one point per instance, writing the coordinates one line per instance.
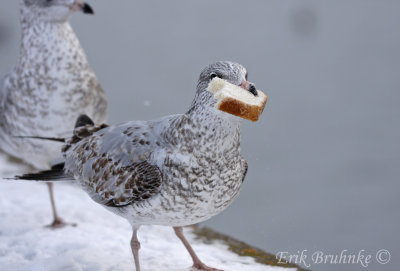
(50, 86)
(176, 171)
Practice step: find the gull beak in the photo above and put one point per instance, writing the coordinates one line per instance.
(249, 87)
(82, 6)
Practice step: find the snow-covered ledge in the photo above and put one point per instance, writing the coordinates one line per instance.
(101, 240)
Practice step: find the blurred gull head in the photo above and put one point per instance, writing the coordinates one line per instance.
(56, 11)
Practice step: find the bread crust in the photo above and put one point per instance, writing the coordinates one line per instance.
(236, 100)
(241, 109)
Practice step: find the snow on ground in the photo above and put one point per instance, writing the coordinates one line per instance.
(99, 243)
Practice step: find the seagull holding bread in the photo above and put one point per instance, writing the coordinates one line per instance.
(174, 171)
(51, 85)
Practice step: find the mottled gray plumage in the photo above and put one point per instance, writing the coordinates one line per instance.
(177, 170)
(50, 86)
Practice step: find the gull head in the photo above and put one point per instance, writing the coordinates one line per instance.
(231, 72)
(227, 71)
(224, 86)
(54, 10)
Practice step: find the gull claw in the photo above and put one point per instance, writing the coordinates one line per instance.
(58, 223)
(203, 267)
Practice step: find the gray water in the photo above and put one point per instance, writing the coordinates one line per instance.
(324, 158)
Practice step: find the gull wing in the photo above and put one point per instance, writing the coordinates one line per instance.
(113, 163)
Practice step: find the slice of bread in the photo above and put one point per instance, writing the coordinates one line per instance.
(236, 100)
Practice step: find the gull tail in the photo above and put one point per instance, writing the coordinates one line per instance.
(82, 121)
(44, 138)
(55, 174)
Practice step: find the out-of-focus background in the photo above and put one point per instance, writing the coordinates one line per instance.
(324, 158)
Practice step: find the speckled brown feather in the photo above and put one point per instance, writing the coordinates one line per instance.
(140, 181)
(81, 133)
(111, 184)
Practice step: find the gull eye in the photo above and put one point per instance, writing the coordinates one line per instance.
(213, 75)
(246, 76)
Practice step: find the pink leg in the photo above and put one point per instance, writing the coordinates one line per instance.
(57, 221)
(197, 263)
(135, 246)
